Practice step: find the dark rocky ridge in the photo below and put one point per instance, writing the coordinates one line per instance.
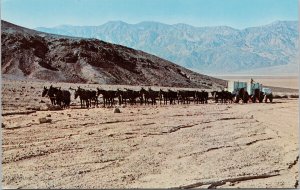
(29, 54)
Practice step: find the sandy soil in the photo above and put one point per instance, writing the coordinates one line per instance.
(213, 145)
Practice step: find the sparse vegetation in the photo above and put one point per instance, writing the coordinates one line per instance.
(294, 96)
(280, 96)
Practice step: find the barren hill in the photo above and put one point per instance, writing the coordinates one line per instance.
(28, 54)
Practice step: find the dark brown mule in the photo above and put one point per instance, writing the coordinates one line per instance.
(83, 96)
(149, 94)
(129, 95)
(185, 96)
(163, 95)
(201, 97)
(45, 93)
(108, 96)
(62, 97)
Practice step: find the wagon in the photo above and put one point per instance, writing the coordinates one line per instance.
(249, 90)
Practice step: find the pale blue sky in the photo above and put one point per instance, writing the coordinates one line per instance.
(234, 13)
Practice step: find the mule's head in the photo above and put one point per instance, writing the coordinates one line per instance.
(45, 91)
(76, 94)
(98, 90)
(118, 92)
(101, 91)
(142, 90)
(52, 91)
(213, 93)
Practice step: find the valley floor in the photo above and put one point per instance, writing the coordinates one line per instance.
(213, 145)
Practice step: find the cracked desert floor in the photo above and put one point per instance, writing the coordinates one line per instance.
(163, 146)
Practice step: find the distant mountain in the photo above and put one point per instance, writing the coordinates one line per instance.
(28, 54)
(218, 49)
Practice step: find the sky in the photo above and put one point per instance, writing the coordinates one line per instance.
(235, 13)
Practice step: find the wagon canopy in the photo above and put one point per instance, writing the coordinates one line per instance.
(235, 86)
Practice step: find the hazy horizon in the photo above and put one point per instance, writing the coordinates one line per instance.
(163, 23)
(234, 13)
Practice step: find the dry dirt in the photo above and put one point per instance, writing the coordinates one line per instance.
(214, 145)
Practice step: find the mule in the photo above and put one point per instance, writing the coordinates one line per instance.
(62, 97)
(83, 96)
(45, 93)
(149, 94)
(108, 96)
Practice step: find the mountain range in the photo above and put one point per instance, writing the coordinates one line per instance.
(211, 50)
(31, 55)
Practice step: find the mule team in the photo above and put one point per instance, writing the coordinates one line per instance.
(89, 98)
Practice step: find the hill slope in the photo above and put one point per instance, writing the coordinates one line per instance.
(28, 54)
(218, 49)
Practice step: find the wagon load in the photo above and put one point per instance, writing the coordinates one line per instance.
(252, 87)
(235, 86)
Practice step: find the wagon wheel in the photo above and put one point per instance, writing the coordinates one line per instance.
(271, 98)
(245, 97)
(261, 98)
(253, 98)
(237, 99)
(266, 98)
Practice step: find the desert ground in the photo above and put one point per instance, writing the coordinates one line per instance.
(161, 146)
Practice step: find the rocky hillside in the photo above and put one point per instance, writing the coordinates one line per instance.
(218, 49)
(28, 54)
